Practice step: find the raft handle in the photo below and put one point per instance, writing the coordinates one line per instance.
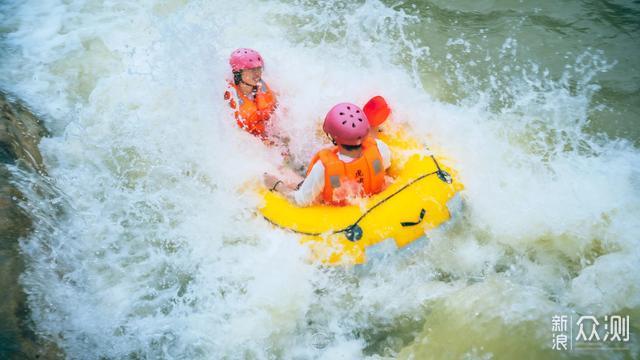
(412, 223)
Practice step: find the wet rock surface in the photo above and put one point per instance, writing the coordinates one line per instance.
(20, 133)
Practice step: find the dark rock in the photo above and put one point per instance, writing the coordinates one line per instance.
(20, 133)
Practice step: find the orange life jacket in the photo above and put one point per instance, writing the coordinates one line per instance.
(252, 115)
(367, 171)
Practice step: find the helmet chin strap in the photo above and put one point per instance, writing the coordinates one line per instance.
(332, 140)
(246, 83)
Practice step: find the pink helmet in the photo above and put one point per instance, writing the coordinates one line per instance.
(244, 58)
(347, 124)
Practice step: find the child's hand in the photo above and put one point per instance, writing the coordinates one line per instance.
(271, 181)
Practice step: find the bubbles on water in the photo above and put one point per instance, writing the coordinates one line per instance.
(160, 246)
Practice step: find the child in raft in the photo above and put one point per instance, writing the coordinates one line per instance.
(354, 167)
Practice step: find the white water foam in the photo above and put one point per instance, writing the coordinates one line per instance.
(157, 250)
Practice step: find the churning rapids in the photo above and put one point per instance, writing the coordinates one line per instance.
(146, 243)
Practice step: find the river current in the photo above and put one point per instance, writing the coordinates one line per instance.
(146, 242)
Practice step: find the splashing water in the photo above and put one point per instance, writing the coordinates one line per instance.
(146, 240)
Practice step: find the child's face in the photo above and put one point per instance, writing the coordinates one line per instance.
(252, 76)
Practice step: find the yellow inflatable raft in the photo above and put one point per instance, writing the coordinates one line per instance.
(413, 204)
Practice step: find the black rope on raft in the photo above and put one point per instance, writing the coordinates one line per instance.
(387, 198)
(292, 230)
(353, 232)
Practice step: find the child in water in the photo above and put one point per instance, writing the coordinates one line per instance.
(248, 94)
